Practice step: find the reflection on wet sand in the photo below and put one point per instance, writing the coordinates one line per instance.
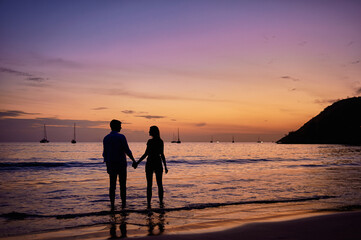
(122, 226)
(154, 221)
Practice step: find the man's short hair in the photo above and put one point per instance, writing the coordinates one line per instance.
(115, 124)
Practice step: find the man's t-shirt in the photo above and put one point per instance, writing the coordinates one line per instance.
(115, 149)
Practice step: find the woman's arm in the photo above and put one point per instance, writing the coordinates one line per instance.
(144, 155)
(164, 163)
(163, 159)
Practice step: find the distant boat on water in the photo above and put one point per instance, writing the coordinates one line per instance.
(178, 141)
(73, 141)
(211, 139)
(45, 139)
(232, 139)
(259, 140)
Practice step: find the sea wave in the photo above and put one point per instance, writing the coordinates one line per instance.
(324, 165)
(217, 161)
(32, 165)
(233, 161)
(197, 206)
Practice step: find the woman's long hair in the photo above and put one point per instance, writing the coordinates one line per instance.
(154, 132)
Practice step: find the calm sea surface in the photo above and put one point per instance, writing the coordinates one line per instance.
(57, 186)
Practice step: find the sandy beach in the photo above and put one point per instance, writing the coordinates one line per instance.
(333, 226)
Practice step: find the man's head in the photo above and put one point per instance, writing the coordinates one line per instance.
(115, 125)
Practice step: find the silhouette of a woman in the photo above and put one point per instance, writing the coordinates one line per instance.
(155, 153)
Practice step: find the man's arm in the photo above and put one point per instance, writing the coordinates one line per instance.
(127, 149)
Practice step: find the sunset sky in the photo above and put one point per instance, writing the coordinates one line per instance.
(226, 68)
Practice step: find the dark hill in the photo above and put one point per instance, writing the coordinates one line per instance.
(339, 123)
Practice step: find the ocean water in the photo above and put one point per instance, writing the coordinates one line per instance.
(57, 186)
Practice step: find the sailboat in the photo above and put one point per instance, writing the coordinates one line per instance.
(232, 139)
(259, 140)
(178, 141)
(211, 139)
(73, 141)
(45, 139)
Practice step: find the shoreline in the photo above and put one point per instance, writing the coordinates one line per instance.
(330, 226)
(334, 226)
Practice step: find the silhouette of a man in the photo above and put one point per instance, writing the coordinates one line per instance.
(115, 149)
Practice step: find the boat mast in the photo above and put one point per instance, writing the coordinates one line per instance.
(178, 135)
(74, 131)
(45, 132)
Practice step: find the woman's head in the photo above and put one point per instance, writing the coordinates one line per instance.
(154, 132)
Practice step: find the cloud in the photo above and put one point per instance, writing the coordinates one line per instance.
(49, 121)
(290, 78)
(14, 113)
(356, 62)
(23, 129)
(128, 111)
(60, 130)
(350, 43)
(36, 79)
(267, 38)
(61, 62)
(303, 43)
(358, 91)
(150, 116)
(200, 124)
(32, 81)
(140, 95)
(56, 122)
(326, 101)
(14, 72)
(100, 108)
(37, 84)
(53, 61)
(142, 114)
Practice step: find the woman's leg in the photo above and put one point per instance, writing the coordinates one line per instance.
(149, 175)
(159, 176)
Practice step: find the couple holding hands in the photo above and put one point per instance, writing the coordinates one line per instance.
(115, 149)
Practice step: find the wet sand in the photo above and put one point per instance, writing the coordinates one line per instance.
(335, 226)
(339, 226)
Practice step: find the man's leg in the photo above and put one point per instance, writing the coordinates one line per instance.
(123, 186)
(112, 186)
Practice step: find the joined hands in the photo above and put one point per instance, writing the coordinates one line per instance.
(135, 164)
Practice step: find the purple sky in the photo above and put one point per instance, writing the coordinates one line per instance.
(243, 68)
